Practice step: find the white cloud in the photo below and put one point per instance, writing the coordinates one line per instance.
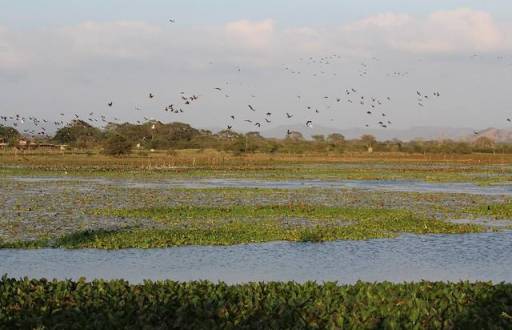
(11, 57)
(113, 39)
(255, 35)
(455, 31)
(252, 42)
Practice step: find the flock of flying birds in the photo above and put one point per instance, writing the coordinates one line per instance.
(371, 106)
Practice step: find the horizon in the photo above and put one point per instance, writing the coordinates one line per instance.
(428, 133)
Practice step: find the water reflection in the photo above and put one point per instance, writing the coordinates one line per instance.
(383, 185)
(471, 257)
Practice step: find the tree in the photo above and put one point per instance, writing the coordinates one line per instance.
(295, 136)
(368, 140)
(78, 133)
(117, 145)
(318, 138)
(336, 142)
(9, 135)
(336, 139)
(484, 142)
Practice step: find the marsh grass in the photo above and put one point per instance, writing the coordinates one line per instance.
(499, 211)
(477, 168)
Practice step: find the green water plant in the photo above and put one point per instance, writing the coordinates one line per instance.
(43, 304)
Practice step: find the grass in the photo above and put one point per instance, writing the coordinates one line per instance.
(251, 224)
(500, 211)
(476, 168)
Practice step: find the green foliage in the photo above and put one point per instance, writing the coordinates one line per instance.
(80, 134)
(160, 136)
(157, 135)
(190, 225)
(9, 134)
(501, 211)
(117, 145)
(42, 304)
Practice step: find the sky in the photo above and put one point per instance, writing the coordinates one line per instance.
(74, 57)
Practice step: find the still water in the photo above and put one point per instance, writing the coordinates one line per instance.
(473, 257)
(372, 185)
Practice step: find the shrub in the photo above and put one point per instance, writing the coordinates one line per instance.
(117, 145)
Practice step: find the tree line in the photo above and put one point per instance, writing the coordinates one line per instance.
(117, 139)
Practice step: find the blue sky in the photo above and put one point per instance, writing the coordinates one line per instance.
(73, 56)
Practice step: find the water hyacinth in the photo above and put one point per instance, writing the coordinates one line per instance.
(44, 304)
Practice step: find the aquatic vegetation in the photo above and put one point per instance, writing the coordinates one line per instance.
(479, 169)
(500, 211)
(251, 224)
(41, 304)
(79, 212)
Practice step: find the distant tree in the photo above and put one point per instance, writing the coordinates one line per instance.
(336, 139)
(336, 142)
(116, 145)
(78, 133)
(228, 135)
(254, 135)
(9, 134)
(295, 136)
(368, 140)
(484, 142)
(318, 138)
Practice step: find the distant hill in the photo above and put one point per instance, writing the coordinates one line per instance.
(422, 132)
(495, 134)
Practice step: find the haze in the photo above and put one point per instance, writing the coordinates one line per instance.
(74, 57)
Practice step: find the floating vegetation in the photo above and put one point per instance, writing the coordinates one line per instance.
(501, 211)
(67, 211)
(42, 304)
(251, 224)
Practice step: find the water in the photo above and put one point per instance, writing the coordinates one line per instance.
(381, 185)
(473, 257)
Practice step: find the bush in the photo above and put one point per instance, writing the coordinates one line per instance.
(117, 145)
(41, 304)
